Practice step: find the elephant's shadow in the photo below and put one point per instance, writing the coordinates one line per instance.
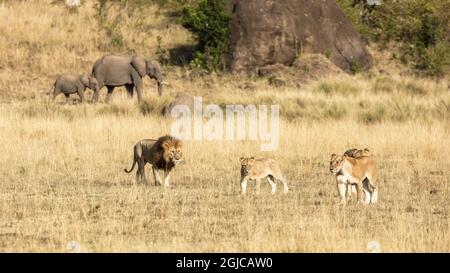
(74, 100)
(71, 102)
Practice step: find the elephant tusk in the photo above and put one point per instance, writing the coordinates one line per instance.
(164, 83)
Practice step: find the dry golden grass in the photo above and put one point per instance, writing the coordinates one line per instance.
(61, 166)
(63, 180)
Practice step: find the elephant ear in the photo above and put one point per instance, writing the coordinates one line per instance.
(155, 71)
(84, 80)
(140, 65)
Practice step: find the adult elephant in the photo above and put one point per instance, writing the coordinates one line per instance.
(113, 71)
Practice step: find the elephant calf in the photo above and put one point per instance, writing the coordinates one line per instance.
(70, 84)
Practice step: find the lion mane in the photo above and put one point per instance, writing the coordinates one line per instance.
(163, 153)
(163, 145)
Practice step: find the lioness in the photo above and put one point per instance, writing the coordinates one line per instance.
(355, 153)
(163, 154)
(361, 172)
(256, 169)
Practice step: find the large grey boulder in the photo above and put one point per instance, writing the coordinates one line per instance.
(267, 32)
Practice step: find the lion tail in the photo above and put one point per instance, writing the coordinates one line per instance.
(132, 167)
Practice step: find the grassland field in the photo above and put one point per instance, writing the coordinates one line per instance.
(61, 165)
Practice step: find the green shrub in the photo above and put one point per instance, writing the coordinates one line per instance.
(328, 53)
(354, 66)
(421, 27)
(208, 20)
(435, 60)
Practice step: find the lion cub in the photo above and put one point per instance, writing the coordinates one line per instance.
(359, 171)
(72, 83)
(357, 152)
(257, 169)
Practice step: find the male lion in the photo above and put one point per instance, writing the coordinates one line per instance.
(256, 169)
(163, 154)
(361, 172)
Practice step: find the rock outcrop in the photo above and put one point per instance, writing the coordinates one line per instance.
(269, 32)
(181, 98)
